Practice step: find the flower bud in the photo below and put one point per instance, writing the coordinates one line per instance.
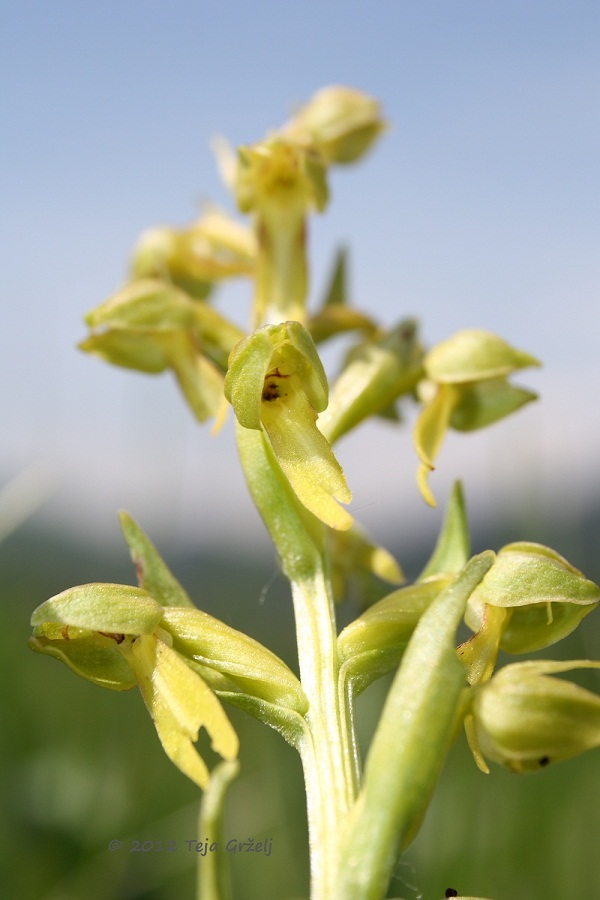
(340, 122)
(526, 720)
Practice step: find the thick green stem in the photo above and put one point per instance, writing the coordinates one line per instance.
(327, 748)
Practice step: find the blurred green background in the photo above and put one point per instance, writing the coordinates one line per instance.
(82, 766)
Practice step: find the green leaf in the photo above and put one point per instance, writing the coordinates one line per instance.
(337, 290)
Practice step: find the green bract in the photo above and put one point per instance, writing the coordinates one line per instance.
(374, 643)
(153, 574)
(410, 743)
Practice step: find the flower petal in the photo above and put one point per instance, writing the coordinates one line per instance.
(180, 703)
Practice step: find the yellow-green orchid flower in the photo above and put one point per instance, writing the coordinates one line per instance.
(530, 599)
(524, 719)
(465, 388)
(193, 258)
(276, 384)
(110, 634)
(279, 182)
(118, 636)
(151, 325)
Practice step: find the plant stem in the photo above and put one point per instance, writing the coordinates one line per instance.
(326, 750)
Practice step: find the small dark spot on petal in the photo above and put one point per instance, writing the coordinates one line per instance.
(270, 391)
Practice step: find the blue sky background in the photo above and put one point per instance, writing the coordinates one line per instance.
(480, 207)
